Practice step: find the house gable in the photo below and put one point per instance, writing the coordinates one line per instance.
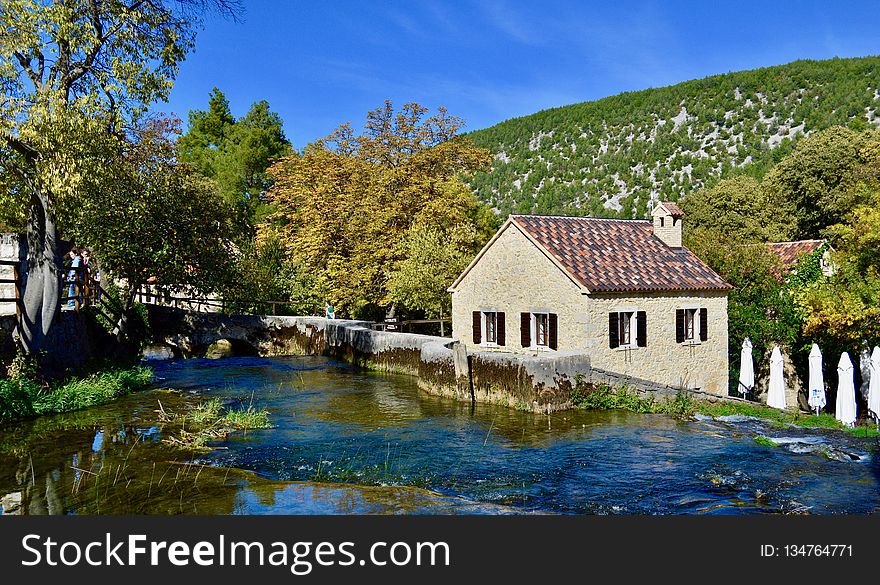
(508, 233)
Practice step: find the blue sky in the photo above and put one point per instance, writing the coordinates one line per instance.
(323, 63)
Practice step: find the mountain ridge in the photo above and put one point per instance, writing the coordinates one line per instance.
(616, 156)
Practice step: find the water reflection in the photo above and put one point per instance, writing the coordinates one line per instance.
(354, 442)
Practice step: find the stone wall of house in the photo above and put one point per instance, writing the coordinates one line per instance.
(669, 229)
(514, 275)
(702, 365)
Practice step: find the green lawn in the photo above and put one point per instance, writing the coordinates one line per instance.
(604, 397)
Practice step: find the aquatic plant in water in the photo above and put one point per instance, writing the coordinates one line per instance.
(209, 422)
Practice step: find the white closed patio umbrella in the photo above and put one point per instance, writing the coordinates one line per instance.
(874, 386)
(746, 369)
(776, 390)
(845, 408)
(817, 380)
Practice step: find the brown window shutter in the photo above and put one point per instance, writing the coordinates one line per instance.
(499, 328)
(554, 324)
(478, 327)
(704, 324)
(613, 330)
(679, 325)
(641, 329)
(525, 329)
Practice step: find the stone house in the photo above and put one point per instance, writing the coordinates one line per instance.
(626, 292)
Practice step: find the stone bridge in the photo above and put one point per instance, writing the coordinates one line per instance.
(540, 383)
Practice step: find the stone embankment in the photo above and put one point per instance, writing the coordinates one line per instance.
(540, 383)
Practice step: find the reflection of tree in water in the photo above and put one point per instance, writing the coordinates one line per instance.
(92, 463)
(107, 460)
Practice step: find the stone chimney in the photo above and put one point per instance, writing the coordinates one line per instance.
(667, 223)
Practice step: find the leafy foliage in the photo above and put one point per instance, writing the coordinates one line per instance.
(815, 182)
(432, 260)
(73, 74)
(739, 207)
(758, 306)
(846, 307)
(829, 186)
(236, 154)
(151, 219)
(264, 272)
(613, 156)
(21, 397)
(344, 203)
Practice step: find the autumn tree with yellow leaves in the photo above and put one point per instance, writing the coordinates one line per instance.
(345, 204)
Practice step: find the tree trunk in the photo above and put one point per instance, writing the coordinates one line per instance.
(42, 283)
(121, 329)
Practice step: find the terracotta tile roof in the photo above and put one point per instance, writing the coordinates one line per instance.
(673, 209)
(789, 252)
(619, 255)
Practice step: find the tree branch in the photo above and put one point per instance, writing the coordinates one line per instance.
(29, 153)
(26, 65)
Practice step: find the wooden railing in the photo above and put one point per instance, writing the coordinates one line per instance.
(260, 307)
(208, 304)
(407, 326)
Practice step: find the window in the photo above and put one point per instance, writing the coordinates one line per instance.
(491, 321)
(627, 329)
(489, 328)
(539, 330)
(542, 333)
(625, 324)
(690, 324)
(662, 221)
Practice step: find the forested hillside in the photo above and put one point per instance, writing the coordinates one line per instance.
(613, 156)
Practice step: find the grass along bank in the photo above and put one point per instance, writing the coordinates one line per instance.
(21, 397)
(212, 421)
(604, 397)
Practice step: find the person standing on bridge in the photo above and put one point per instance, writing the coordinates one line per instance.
(329, 313)
(91, 277)
(72, 277)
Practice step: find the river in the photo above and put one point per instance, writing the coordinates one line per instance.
(347, 441)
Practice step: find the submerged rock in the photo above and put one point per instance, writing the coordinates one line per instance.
(816, 446)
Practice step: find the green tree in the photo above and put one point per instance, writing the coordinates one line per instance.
(845, 308)
(208, 132)
(345, 202)
(432, 258)
(236, 153)
(151, 219)
(741, 209)
(72, 73)
(817, 178)
(759, 306)
(265, 272)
